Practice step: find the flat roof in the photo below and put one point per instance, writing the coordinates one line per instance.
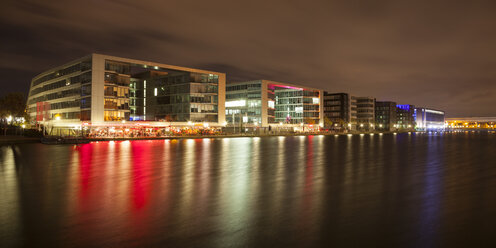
(126, 60)
(280, 84)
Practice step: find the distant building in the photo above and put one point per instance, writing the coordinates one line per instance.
(471, 123)
(385, 116)
(101, 90)
(429, 119)
(363, 113)
(405, 117)
(337, 108)
(264, 102)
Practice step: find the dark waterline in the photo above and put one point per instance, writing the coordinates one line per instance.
(405, 190)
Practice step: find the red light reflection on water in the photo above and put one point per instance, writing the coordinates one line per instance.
(307, 204)
(141, 163)
(85, 162)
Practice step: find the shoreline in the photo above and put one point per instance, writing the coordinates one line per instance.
(11, 140)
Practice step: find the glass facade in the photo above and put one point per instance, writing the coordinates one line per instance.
(405, 116)
(337, 108)
(181, 96)
(263, 102)
(385, 116)
(363, 113)
(295, 106)
(61, 94)
(116, 91)
(120, 90)
(429, 119)
(244, 103)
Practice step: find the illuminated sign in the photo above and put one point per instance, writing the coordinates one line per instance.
(316, 100)
(238, 103)
(271, 104)
(299, 109)
(403, 107)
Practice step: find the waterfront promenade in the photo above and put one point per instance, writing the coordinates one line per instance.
(8, 140)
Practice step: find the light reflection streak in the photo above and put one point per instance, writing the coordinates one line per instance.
(234, 190)
(431, 205)
(9, 204)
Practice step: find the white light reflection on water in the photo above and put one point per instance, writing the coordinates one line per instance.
(234, 193)
(251, 192)
(9, 203)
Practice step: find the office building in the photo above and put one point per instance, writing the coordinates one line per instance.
(363, 113)
(101, 90)
(337, 109)
(264, 102)
(385, 116)
(429, 119)
(471, 123)
(405, 117)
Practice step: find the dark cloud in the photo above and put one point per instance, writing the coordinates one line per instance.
(439, 54)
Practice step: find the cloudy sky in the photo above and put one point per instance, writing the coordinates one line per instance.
(439, 54)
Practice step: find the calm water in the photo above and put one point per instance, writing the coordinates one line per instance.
(416, 190)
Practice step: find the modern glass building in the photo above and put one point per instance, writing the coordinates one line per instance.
(337, 108)
(362, 113)
(405, 116)
(429, 119)
(385, 116)
(264, 102)
(102, 90)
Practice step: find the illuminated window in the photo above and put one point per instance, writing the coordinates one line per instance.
(238, 103)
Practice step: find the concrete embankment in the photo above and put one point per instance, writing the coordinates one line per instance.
(10, 140)
(227, 136)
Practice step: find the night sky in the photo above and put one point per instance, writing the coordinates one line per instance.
(434, 54)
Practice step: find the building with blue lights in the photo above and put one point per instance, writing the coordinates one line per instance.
(429, 119)
(405, 117)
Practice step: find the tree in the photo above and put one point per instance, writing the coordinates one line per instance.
(327, 122)
(309, 121)
(12, 104)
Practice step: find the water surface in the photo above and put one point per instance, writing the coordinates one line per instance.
(405, 190)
